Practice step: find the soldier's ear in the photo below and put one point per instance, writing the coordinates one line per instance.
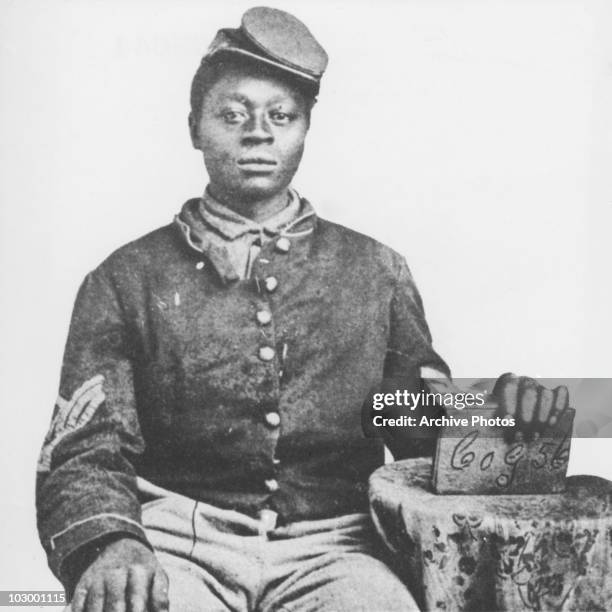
(310, 105)
(194, 132)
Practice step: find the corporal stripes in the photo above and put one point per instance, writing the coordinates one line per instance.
(71, 415)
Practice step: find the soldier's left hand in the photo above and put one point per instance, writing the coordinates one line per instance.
(533, 406)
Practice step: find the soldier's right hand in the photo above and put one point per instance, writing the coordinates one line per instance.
(125, 577)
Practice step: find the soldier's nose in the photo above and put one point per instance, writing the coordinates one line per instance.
(257, 129)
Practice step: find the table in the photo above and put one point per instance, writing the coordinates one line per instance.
(496, 552)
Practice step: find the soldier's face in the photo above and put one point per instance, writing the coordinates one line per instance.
(251, 130)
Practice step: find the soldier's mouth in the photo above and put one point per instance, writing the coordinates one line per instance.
(256, 161)
(257, 165)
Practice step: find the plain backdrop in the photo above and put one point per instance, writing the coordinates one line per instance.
(472, 136)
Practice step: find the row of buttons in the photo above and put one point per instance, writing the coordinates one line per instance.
(267, 353)
(264, 317)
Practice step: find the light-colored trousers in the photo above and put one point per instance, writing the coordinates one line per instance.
(221, 560)
(224, 561)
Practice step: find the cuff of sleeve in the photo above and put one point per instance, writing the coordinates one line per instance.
(434, 368)
(434, 372)
(79, 534)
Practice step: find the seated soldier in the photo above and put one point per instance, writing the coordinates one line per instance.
(206, 450)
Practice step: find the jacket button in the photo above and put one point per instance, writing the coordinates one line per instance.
(266, 353)
(283, 245)
(199, 265)
(264, 317)
(272, 485)
(273, 419)
(270, 284)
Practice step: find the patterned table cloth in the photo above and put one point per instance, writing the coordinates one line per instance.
(496, 552)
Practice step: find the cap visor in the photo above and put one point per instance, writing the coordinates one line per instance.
(314, 82)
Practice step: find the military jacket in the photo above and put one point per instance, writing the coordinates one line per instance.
(245, 394)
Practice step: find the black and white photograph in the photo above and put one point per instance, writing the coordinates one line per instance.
(305, 306)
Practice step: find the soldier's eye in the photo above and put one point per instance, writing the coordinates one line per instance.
(280, 117)
(233, 116)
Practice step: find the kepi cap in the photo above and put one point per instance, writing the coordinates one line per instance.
(276, 38)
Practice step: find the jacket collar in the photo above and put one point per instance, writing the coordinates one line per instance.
(197, 232)
(231, 225)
